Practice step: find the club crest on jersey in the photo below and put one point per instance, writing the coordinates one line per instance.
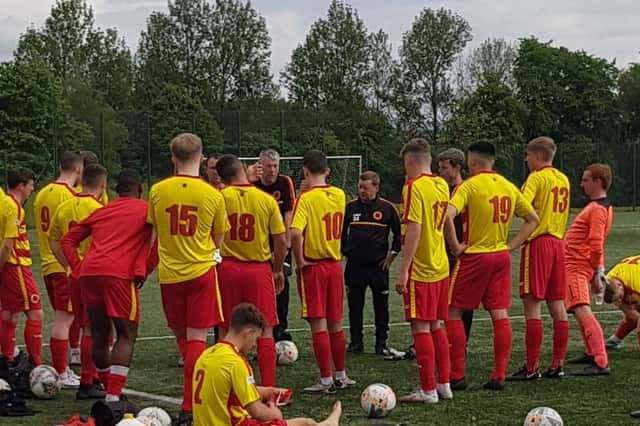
(377, 215)
(277, 195)
(356, 217)
(251, 380)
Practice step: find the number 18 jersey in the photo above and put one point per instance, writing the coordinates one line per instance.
(548, 189)
(319, 214)
(185, 211)
(488, 202)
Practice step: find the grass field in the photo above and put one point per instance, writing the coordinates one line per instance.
(580, 401)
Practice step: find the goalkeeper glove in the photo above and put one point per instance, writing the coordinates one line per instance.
(599, 281)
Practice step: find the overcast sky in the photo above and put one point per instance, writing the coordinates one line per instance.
(610, 29)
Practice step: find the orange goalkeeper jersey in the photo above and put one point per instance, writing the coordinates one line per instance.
(584, 241)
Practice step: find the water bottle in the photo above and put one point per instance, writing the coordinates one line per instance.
(598, 298)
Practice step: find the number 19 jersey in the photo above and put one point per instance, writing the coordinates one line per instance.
(319, 214)
(488, 202)
(548, 189)
(186, 212)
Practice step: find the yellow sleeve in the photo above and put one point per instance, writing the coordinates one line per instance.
(11, 221)
(461, 195)
(413, 209)
(300, 214)
(276, 222)
(530, 188)
(220, 221)
(55, 231)
(151, 219)
(244, 384)
(523, 206)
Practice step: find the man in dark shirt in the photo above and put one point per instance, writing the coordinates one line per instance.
(281, 188)
(365, 242)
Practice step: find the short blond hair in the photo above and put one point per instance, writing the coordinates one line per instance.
(186, 146)
(416, 147)
(544, 145)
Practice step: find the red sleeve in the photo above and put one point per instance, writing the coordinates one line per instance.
(71, 241)
(597, 234)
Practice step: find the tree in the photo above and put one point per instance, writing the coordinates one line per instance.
(428, 52)
(333, 62)
(629, 100)
(381, 72)
(494, 56)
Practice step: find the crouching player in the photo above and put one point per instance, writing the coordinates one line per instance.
(224, 390)
(113, 270)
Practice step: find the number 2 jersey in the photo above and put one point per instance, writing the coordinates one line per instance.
(253, 217)
(319, 214)
(186, 211)
(549, 191)
(426, 199)
(628, 273)
(488, 202)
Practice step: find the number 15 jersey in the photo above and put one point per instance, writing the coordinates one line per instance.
(488, 202)
(319, 214)
(186, 212)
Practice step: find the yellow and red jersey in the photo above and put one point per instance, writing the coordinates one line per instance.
(319, 215)
(253, 217)
(427, 199)
(628, 273)
(488, 202)
(72, 212)
(104, 198)
(186, 211)
(14, 227)
(45, 205)
(584, 241)
(223, 385)
(549, 191)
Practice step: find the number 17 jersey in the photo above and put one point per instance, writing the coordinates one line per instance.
(186, 212)
(319, 214)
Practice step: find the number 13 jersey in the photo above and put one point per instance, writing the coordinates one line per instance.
(548, 189)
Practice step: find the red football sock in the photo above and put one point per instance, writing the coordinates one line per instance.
(560, 343)
(74, 334)
(87, 367)
(533, 342)
(595, 341)
(458, 343)
(338, 350)
(33, 340)
(117, 379)
(194, 349)
(103, 373)
(501, 347)
(441, 347)
(625, 328)
(322, 351)
(182, 346)
(267, 361)
(8, 339)
(581, 327)
(59, 354)
(425, 356)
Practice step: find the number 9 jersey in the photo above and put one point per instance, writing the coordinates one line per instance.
(186, 212)
(318, 214)
(488, 202)
(548, 189)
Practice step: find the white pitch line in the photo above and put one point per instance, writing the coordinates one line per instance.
(152, 396)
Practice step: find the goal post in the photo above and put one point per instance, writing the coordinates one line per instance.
(345, 170)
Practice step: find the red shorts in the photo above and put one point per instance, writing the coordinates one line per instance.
(254, 422)
(117, 296)
(321, 290)
(482, 277)
(247, 282)
(578, 283)
(79, 311)
(59, 291)
(542, 273)
(427, 301)
(18, 290)
(194, 303)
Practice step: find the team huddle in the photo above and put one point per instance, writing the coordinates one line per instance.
(221, 249)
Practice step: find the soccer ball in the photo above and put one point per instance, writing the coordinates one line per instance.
(154, 416)
(287, 352)
(45, 382)
(543, 416)
(378, 400)
(129, 420)
(4, 385)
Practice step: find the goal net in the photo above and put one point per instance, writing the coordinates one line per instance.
(345, 170)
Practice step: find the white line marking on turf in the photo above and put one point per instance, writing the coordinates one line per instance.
(152, 396)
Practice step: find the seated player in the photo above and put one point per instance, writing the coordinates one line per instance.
(225, 392)
(18, 290)
(623, 289)
(111, 273)
(246, 274)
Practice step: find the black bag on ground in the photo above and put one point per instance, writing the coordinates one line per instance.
(13, 406)
(109, 413)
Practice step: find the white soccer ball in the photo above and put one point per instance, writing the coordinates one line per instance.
(4, 385)
(154, 416)
(45, 382)
(287, 352)
(543, 416)
(130, 422)
(378, 400)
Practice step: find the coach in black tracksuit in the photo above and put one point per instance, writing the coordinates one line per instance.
(365, 243)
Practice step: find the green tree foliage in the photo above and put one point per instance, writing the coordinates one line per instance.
(495, 56)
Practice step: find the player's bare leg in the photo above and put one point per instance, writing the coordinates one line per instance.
(100, 325)
(593, 340)
(502, 339)
(120, 359)
(59, 345)
(628, 324)
(332, 420)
